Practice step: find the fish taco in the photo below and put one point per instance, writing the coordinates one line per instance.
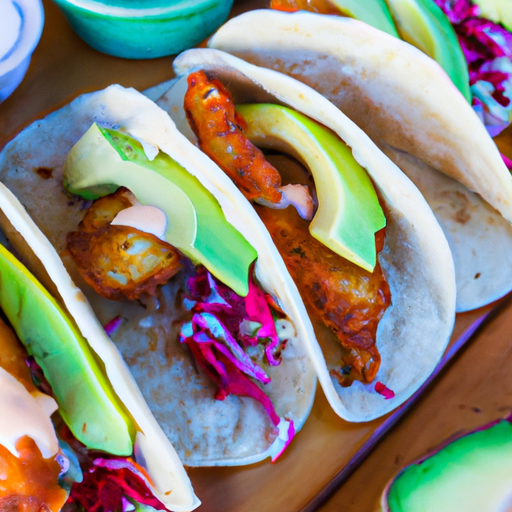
(74, 429)
(181, 272)
(411, 109)
(364, 249)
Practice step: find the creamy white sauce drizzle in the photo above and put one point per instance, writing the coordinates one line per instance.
(26, 414)
(10, 25)
(296, 195)
(149, 219)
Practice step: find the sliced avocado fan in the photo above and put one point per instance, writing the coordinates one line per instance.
(87, 402)
(349, 213)
(373, 12)
(104, 160)
(423, 24)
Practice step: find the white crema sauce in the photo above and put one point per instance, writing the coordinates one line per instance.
(26, 414)
(149, 219)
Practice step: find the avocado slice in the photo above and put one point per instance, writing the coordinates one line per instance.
(470, 474)
(349, 213)
(423, 24)
(499, 11)
(103, 160)
(373, 12)
(86, 400)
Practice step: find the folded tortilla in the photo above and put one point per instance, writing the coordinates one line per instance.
(409, 107)
(416, 259)
(203, 430)
(152, 449)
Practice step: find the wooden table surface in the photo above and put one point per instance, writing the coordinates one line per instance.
(473, 389)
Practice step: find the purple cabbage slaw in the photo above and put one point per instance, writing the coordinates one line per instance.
(112, 326)
(487, 47)
(383, 390)
(227, 333)
(113, 484)
(96, 481)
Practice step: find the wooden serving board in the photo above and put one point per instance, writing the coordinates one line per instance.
(473, 390)
(322, 457)
(328, 449)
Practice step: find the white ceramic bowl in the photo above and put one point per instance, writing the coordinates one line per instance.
(21, 24)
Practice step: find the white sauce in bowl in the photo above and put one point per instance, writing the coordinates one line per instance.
(10, 27)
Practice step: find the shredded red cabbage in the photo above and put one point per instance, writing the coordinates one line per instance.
(110, 483)
(259, 311)
(37, 375)
(208, 295)
(217, 336)
(112, 326)
(458, 10)
(228, 378)
(487, 47)
(207, 329)
(384, 391)
(286, 434)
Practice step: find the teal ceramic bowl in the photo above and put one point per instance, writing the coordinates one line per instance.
(144, 29)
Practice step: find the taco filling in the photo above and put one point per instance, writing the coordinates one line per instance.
(348, 299)
(29, 477)
(46, 463)
(84, 479)
(485, 45)
(75, 476)
(173, 218)
(232, 337)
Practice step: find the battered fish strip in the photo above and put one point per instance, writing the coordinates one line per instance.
(319, 6)
(120, 261)
(348, 300)
(219, 129)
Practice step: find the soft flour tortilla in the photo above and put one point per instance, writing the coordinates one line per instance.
(405, 101)
(203, 430)
(479, 237)
(416, 259)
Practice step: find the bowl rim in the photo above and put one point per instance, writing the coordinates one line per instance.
(175, 7)
(31, 29)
